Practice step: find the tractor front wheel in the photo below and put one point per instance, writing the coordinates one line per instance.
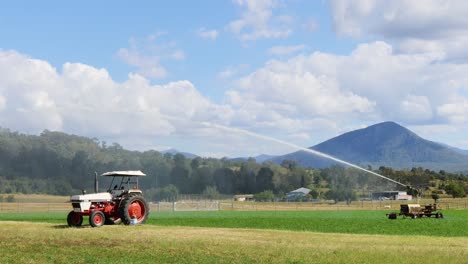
(134, 208)
(74, 219)
(97, 219)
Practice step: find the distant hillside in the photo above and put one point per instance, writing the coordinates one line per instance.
(175, 151)
(461, 151)
(259, 159)
(387, 144)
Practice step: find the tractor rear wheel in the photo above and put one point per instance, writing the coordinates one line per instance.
(134, 207)
(74, 219)
(97, 219)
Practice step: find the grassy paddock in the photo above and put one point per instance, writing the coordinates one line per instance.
(446, 203)
(37, 198)
(29, 242)
(454, 224)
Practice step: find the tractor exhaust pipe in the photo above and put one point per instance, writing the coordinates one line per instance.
(96, 183)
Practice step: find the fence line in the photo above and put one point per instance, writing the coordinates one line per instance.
(227, 205)
(22, 207)
(324, 205)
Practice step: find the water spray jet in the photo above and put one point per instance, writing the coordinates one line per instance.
(315, 152)
(268, 138)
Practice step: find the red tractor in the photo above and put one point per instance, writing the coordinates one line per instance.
(121, 203)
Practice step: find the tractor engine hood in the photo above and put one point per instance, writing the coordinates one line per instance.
(92, 197)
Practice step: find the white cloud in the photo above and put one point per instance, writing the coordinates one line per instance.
(415, 108)
(86, 101)
(146, 65)
(178, 55)
(437, 26)
(311, 25)
(207, 34)
(257, 21)
(28, 86)
(285, 50)
(454, 112)
(369, 85)
(348, 15)
(146, 55)
(2, 102)
(308, 98)
(232, 71)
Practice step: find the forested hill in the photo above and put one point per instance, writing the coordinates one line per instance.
(384, 144)
(58, 163)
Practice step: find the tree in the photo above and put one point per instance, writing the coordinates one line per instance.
(289, 164)
(246, 179)
(211, 193)
(180, 178)
(168, 193)
(265, 196)
(264, 180)
(224, 179)
(341, 194)
(314, 194)
(180, 174)
(455, 190)
(10, 198)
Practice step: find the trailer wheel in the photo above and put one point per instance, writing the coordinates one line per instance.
(74, 219)
(134, 206)
(97, 219)
(439, 215)
(392, 216)
(414, 216)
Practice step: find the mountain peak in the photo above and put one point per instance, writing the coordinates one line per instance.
(370, 139)
(389, 126)
(174, 151)
(383, 144)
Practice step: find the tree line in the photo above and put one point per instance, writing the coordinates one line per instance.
(62, 164)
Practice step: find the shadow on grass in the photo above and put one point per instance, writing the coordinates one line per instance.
(67, 226)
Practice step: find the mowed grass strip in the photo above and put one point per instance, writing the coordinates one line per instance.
(27, 242)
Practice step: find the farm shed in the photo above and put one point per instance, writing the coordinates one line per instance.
(391, 195)
(243, 197)
(297, 194)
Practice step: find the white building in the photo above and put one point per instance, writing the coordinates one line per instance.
(391, 195)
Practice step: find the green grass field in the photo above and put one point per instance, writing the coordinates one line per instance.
(238, 237)
(455, 223)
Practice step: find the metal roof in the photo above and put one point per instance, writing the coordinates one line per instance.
(124, 173)
(301, 190)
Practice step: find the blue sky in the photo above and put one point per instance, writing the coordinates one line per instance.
(153, 74)
(92, 33)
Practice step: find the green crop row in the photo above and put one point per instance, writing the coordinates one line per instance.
(454, 224)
